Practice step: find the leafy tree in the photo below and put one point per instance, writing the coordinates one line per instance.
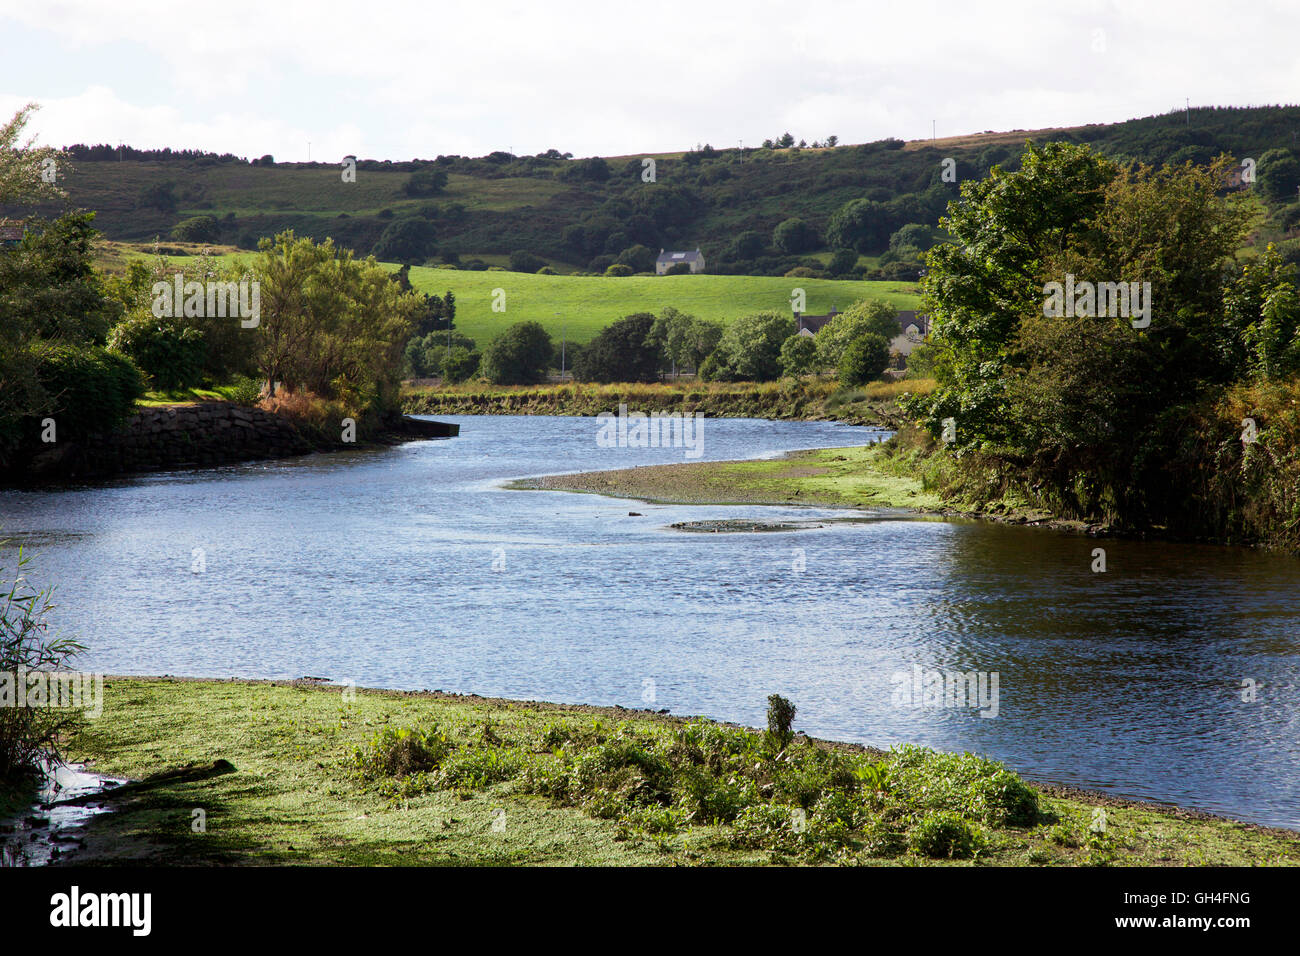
(459, 364)
(618, 271)
(522, 260)
(168, 350)
(863, 360)
(842, 262)
(979, 286)
(794, 236)
(798, 355)
(1279, 175)
(22, 163)
(914, 235)
(624, 351)
(860, 224)
(683, 340)
(49, 287)
(426, 182)
(410, 239)
(197, 229)
(638, 258)
(747, 245)
(520, 355)
(330, 323)
(867, 317)
(750, 347)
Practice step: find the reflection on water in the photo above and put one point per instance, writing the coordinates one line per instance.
(410, 567)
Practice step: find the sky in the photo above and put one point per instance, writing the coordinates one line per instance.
(391, 80)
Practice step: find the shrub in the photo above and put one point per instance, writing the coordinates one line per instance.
(399, 752)
(459, 364)
(245, 391)
(88, 390)
(196, 229)
(780, 717)
(168, 350)
(944, 834)
(29, 735)
(521, 260)
(842, 262)
(618, 270)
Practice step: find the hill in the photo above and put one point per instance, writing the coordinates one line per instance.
(582, 214)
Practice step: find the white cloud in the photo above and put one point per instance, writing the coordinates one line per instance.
(393, 80)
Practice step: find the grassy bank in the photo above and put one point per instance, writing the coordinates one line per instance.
(837, 477)
(803, 400)
(398, 778)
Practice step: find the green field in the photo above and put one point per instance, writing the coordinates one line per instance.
(582, 305)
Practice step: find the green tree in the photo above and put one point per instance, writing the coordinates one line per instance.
(794, 236)
(24, 165)
(1279, 175)
(750, 347)
(520, 355)
(638, 258)
(979, 286)
(459, 364)
(410, 239)
(798, 355)
(196, 229)
(842, 262)
(623, 351)
(521, 260)
(866, 317)
(168, 350)
(860, 224)
(863, 360)
(426, 182)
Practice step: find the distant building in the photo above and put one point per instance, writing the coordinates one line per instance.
(913, 327)
(667, 260)
(811, 324)
(11, 234)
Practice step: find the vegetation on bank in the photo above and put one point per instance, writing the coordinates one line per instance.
(807, 399)
(1171, 416)
(409, 779)
(856, 477)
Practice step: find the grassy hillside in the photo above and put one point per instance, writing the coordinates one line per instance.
(576, 214)
(583, 305)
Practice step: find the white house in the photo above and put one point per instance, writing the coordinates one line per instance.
(667, 260)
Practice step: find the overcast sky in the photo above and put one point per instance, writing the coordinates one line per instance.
(390, 80)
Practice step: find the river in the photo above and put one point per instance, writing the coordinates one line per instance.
(1172, 676)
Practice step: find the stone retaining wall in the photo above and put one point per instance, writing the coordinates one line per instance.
(174, 436)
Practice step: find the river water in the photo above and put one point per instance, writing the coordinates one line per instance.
(1172, 676)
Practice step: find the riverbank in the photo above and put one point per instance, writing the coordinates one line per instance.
(856, 477)
(786, 400)
(488, 781)
(201, 435)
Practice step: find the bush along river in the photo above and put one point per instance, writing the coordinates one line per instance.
(1172, 675)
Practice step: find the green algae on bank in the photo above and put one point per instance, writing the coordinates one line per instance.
(854, 477)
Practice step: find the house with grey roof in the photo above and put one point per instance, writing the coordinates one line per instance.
(667, 260)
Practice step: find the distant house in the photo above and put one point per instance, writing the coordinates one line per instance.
(913, 327)
(811, 324)
(667, 260)
(11, 234)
